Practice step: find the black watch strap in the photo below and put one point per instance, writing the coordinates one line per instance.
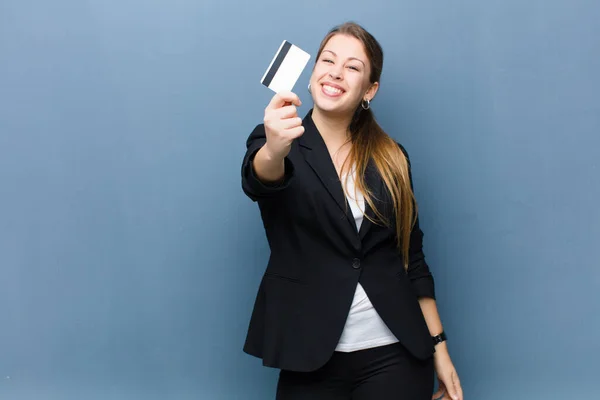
(439, 338)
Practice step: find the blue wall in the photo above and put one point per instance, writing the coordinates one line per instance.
(129, 257)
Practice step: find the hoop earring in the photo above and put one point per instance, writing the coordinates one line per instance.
(368, 104)
(309, 89)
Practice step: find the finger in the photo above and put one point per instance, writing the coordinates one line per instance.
(290, 123)
(281, 98)
(295, 132)
(440, 392)
(458, 387)
(290, 97)
(446, 385)
(460, 393)
(275, 117)
(287, 112)
(451, 386)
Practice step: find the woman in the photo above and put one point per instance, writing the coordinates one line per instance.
(346, 308)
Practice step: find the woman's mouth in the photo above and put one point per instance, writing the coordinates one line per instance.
(332, 91)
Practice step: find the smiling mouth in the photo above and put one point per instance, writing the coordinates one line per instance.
(332, 91)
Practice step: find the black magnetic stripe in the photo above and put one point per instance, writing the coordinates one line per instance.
(280, 57)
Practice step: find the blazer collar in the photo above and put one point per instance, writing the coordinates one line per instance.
(317, 156)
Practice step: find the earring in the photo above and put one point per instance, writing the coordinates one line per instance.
(368, 102)
(309, 89)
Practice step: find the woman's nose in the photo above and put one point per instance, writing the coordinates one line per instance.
(335, 73)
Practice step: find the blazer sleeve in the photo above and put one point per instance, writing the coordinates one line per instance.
(254, 188)
(418, 271)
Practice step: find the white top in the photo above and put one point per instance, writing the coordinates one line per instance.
(364, 327)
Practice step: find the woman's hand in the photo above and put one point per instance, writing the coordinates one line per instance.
(449, 384)
(282, 124)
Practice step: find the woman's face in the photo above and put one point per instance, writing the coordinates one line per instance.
(340, 78)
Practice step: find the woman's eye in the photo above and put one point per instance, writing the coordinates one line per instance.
(327, 60)
(354, 68)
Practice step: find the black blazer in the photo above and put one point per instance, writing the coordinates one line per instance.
(318, 257)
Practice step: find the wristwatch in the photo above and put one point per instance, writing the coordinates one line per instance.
(439, 338)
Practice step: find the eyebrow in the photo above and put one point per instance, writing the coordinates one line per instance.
(349, 58)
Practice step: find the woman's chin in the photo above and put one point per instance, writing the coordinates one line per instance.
(330, 107)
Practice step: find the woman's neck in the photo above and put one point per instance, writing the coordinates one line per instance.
(333, 128)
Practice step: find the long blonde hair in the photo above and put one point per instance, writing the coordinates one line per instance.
(369, 141)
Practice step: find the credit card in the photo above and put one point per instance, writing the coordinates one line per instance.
(285, 68)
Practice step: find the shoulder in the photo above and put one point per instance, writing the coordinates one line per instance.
(258, 128)
(404, 151)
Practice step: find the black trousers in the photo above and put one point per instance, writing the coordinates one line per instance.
(381, 373)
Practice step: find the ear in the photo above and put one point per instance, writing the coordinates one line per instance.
(371, 92)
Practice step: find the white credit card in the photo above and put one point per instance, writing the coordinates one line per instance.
(285, 68)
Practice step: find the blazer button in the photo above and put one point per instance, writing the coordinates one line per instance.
(356, 263)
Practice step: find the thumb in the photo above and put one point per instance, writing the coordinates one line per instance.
(440, 392)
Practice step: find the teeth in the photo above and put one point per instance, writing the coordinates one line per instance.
(331, 90)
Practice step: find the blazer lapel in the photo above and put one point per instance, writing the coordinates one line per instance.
(317, 156)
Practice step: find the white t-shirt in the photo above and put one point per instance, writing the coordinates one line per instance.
(364, 327)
